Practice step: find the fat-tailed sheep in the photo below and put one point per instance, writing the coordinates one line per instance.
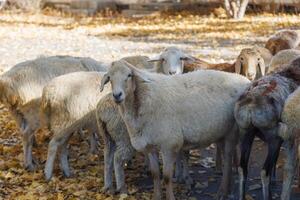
(257, 113)
(284, 39)
(21, 89)
(156, 109)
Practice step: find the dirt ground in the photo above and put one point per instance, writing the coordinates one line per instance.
(27, 36)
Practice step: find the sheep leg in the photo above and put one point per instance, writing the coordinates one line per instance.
(182, 170)
(289, 170)
(246, 145)
(218, 157)
(28, 137)
(64, 164)
(168, 158)
(154, 167)
(121, 156)
(273, 152)
(179, 168)
(185, 170)
(109, 149)
(93, 143)
(227, 170)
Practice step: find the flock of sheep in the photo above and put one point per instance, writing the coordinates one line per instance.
(144, 109)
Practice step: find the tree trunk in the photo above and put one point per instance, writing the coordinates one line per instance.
(235, 8)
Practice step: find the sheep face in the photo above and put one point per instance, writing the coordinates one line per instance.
(250, 64)
(171, 61)
(121, 81)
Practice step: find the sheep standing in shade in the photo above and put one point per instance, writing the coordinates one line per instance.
(21, 90)
(171, 113)
(284, 39)
(290, 132)
(257, 113)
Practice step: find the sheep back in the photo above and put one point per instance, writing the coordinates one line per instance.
(199, 105)
(69, 98)
(26, 80)
(282, 58)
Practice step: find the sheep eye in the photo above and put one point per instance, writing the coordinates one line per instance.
(258, 59)
(242, 58)
(183, 58)
(163, 60)
(129, 75)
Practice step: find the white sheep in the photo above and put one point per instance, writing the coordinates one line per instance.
(171, 61)
(67, 105)
(63, 112)
(170, 113)
(21, 89)
(290, 131)
(282, 58)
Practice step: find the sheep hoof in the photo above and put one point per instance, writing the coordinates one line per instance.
(122, 190)
(222, 196)
(67, 174)
(30, 167)
(108, 190)
(48, 177)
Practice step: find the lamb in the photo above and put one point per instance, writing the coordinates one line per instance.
(289, 130)
(156, 110)
(284, 39)
(62, 112)
(282, 58)
(257, 113)
(117, 146)
(21, 89)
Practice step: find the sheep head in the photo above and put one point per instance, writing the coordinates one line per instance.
(122, 77)
(250, 64)
(171, 61)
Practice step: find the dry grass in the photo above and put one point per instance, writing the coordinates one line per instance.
(197, 31)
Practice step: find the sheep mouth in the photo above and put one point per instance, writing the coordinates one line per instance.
(118, 101)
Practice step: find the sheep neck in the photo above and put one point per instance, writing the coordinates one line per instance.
(131, 108)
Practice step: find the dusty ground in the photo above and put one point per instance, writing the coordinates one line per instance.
(24, 37)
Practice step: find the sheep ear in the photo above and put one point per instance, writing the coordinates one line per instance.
(154, 59)
(262, 66)
(238, 66)
(104, 80)
(186, 57)
(137, 72)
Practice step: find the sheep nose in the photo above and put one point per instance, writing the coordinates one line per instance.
(117, 96)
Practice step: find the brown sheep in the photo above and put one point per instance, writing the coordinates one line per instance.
(284, 39)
